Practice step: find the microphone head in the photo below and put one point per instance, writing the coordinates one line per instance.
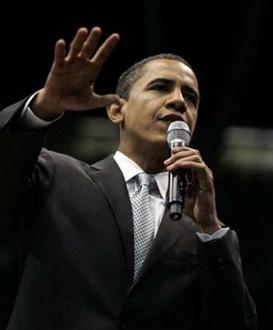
(178, 130)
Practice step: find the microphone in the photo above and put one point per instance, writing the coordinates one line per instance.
(178, 135)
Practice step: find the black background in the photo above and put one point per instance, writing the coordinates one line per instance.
(228, 43)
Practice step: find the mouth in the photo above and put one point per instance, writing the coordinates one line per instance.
(170, 117)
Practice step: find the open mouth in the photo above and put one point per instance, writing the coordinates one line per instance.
(169, 118)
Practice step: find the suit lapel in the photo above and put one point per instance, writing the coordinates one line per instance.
(109, 178)
(168, 234)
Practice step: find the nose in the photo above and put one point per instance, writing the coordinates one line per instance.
(176, 101)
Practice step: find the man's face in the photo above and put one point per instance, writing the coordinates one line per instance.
(166, 91)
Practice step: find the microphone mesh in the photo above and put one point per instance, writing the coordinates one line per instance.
(178, 130)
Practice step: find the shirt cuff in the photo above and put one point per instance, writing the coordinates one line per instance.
(30, 121)
(218, 234)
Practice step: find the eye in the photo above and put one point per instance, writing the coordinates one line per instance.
(160, 87)
(192, 98)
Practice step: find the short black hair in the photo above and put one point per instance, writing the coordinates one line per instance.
(133, 73)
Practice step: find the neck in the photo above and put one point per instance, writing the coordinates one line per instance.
(149, 159)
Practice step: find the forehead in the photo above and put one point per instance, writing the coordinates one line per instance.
(169, 69)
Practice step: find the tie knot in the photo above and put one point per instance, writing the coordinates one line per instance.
(144, 179)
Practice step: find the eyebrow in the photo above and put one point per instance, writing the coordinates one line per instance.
(161, 80)
(172, 81)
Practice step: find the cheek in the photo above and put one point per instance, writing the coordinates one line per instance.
(140, 113)
(193, 118)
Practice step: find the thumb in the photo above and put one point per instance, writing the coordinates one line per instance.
(101, 101)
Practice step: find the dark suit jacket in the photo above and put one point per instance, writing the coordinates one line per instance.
(75, 223)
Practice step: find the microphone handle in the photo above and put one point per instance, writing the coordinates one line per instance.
(176, 196)
(176, 192)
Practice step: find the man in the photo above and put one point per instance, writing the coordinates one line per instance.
(79, 223)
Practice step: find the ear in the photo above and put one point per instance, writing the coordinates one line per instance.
(115, 112)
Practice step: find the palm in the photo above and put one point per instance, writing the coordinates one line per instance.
(73, 80)
(70, 83)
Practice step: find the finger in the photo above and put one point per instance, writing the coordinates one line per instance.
(205, 179)
(182, 148)
(105, 49)
(59, 52)
(77, 43)
(101, 101)
(90, 43)
(186, 165)
(184, 154)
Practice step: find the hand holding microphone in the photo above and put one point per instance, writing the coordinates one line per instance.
(201, 204)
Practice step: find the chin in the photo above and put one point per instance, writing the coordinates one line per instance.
(160, 147)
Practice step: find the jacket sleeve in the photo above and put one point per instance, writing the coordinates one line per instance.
(226, 301)
(19, 151)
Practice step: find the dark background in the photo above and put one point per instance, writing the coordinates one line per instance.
(229, 45)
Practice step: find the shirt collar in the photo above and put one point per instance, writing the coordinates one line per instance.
(129, 169)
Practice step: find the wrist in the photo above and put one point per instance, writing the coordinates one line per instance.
(210, 226)
(44, 108)
(210, 229)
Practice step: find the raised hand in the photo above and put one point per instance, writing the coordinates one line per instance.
(200, 194)
(71, 80)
